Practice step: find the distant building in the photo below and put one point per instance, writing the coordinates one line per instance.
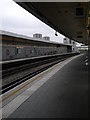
(68, 41)
(37, 35)
(74, 47)
(82, 48)
(46, 38)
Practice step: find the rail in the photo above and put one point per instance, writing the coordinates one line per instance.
(44, 63)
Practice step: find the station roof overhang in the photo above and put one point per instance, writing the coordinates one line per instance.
(68, 18)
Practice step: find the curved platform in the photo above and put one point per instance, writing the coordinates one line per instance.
(64, 95)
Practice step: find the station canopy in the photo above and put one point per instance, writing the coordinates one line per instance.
(72, 19)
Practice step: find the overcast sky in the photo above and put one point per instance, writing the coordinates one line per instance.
(16, 19)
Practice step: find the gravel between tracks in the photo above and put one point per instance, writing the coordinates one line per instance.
(21, 74)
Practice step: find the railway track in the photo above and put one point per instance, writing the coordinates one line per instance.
(15, 69)
(42, 65)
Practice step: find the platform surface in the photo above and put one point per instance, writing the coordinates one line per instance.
(64, 95)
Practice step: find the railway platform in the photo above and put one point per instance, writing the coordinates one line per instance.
(61, 93)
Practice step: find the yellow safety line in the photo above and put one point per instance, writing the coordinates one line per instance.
(24, 86)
